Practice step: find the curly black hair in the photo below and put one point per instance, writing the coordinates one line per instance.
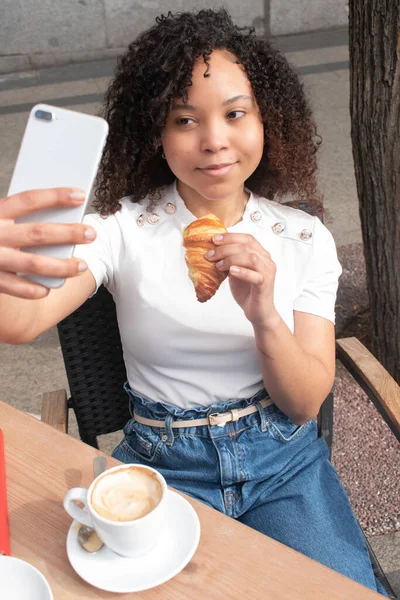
(157, 68)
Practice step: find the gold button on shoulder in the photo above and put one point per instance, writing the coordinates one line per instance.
(306, 235)
(256, 216)
(153, 218)
(170, 208)
(278, 227)
(140, 220)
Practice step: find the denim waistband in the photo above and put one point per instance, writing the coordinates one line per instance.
(159, 410)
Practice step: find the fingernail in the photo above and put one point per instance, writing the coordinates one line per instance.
(90, 234)
(220, 264)
(82, 267)
(210, 253)
(235, 269)
(77, 196)
(218, 238)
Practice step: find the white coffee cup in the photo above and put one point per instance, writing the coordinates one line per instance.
(130, 538)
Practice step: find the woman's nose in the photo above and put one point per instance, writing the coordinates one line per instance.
(214, 137)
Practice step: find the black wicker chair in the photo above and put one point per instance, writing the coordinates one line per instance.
(92, 353)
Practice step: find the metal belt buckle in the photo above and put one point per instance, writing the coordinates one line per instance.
(212, 417)
(233, 416)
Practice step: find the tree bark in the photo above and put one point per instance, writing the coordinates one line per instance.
(375, 131)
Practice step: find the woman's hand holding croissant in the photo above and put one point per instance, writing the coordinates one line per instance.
(251, 275)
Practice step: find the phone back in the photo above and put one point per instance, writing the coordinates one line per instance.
(62, 152)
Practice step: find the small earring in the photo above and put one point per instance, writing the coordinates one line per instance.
(163, 155)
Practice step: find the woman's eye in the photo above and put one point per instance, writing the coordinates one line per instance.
(184, 121)
(236, 114)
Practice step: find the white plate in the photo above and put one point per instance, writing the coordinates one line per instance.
(177, 544)
(20, 580)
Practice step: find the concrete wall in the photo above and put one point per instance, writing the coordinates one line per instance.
(40, 33)
(295, 16)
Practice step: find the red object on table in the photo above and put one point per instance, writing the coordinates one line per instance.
(4, 533)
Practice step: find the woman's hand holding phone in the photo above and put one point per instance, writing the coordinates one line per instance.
(13, 236)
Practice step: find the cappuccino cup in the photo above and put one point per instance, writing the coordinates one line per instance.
(125, 505)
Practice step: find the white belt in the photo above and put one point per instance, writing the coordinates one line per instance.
(214, 419)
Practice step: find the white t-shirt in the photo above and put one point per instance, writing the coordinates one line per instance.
(176, 349)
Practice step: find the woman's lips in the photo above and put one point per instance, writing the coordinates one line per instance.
(217, 171)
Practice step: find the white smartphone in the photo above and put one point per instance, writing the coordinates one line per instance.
(60, 148)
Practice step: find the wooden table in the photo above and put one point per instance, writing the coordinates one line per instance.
(232, 560)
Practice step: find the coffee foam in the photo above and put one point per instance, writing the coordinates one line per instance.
(126, 494)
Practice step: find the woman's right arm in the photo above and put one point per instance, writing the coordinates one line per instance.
(27, 308)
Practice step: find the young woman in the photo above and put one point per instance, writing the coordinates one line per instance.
(206, 118)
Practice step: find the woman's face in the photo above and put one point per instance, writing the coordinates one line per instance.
(215, 142)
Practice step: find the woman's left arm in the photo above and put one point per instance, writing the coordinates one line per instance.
(298, 368)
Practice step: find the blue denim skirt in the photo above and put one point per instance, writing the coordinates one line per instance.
(262, 470)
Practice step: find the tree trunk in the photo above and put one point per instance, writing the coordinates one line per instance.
(375, 131)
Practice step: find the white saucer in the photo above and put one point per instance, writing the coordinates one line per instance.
(20, 580)
(109, 571)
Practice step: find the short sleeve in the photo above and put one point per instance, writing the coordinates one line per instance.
(318, 293)
(98, 254)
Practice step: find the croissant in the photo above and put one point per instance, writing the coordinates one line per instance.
(197, 239)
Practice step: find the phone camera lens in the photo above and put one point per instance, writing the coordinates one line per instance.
(44, 115)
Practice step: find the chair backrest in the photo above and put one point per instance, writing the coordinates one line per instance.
(92, 352)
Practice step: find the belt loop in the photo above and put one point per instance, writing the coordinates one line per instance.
(131, 406)
(262, 416)
(169, 433)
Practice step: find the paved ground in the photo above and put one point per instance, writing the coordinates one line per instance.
(322, 60)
